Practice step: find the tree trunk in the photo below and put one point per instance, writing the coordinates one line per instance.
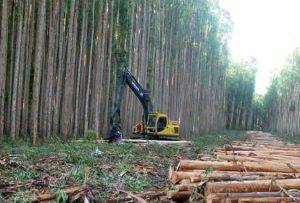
(60, 69)
(39, 48)
(251, 186)
(79, 70)
(87, 94)
(109, 71)
(99, 66)
(201, 175)
(51, 67)
(28, 56)
(22, 70)
(67, 110)
(3, 60)
(16, 74)
(248, 166)
(268, 196)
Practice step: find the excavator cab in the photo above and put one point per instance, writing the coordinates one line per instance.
(157, 125)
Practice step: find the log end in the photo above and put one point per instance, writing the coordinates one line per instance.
(173, 177)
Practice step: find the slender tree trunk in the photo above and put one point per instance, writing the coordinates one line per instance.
(9, 79)
(3, 60)
(99, 65)
(22, 69)
(67, 110)
(28, 66)
(109, 70)
(87, 95)
(79, 70)
(16, 73)
(39, 47)
(60, 69)
(54, 9)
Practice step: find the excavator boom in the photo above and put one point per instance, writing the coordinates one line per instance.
(156, 124)
(124, 77)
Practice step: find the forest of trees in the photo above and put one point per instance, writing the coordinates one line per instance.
(282, 100)
(58, 63)
(241, 101)
(278, 110)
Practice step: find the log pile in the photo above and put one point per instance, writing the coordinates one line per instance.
(263, 169)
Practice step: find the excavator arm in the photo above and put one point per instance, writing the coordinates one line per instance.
(124, 77)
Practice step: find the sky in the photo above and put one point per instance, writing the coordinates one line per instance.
(268, 30)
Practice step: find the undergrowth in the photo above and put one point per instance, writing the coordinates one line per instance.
(106, 168)
(210, 141)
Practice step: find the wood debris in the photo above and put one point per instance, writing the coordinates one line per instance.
(263, 169)
(160, 142)
(51, 196)
(146, 141)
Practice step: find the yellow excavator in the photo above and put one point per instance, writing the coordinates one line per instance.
(154, 125)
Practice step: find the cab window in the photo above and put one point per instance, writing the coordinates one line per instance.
(151, 121)
(161, 124)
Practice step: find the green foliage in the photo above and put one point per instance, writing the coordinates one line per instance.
(258, 112)
(240, 85)
(283, 84)
(136, 183)
(90, 135)
(208, 171)
(62, 197)
(171, 186)
(78, 173)
(281, 100)
(21, 197)
(25, 174)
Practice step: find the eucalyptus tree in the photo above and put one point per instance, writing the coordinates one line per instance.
(240, 91)
(282, 99)
(3, 60)
(59, 61)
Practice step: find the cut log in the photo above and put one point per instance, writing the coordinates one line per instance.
(261, 147)
(264, 152)
(236, 196)
(244, 158)
(51, 196)
(266, 200)
(237, 148)
(140, 141)
(199, 175)
(246, 166)
(186, 186)
(251, 186)
(183, 192)
(177, 176)
(179, 195)
(161, 142)
(259, 158)
(243, 176)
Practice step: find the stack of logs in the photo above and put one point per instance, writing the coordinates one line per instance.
(261, 170)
